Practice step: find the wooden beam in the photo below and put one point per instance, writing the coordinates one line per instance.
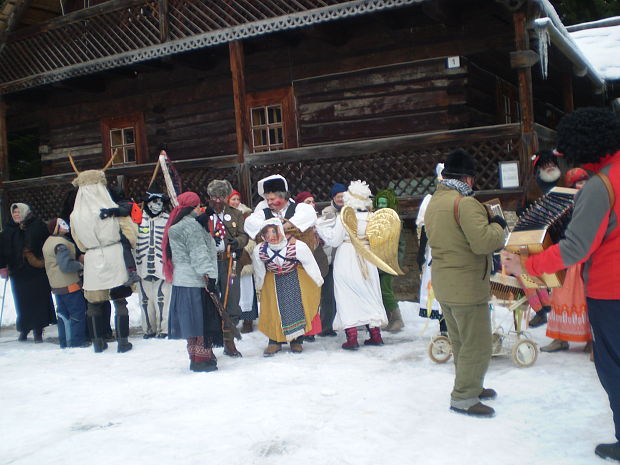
(238, 81)
(523, 59)
(529, 141)
(567, 92)
(4, 147)
(163, 20)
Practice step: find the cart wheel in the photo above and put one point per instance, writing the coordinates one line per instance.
(524, 353)
(498, 339)
(440, 349)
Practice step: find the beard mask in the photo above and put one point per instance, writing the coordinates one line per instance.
(155, 206)
(549, 173)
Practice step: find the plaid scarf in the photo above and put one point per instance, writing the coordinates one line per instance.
(459, 186)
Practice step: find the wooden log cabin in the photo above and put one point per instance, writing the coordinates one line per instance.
(320, 91)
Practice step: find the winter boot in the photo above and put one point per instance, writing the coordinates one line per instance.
(95, 326)
(23, 336)
(351, 343)
(229, 344)
(272, 349)
(106, 329)
(477, 410)
(247, 327)
(38, 335)
(487, 394)
(297, 346)
(608, 451)
(375, 337)
(121, 322)
(395, 321)
(555, 346)
(540, 318)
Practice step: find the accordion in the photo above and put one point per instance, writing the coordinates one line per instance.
(506, 287)
(540, 226)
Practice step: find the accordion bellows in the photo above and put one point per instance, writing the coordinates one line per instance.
(542, 225)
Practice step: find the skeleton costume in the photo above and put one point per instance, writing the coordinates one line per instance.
(154, 290)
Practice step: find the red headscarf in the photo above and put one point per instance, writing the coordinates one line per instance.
(299, 198)
(234, 192)
(186, 199)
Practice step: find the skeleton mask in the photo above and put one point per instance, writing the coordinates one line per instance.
(156, 206)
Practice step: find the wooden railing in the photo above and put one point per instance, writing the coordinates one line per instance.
(122, 32)
(405, 164)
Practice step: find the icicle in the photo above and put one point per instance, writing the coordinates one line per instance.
(543, 47)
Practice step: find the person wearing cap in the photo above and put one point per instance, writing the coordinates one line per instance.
(463, 239)
(190, 264)
(225, 224)
(590, 138)
(154, 290)
(21, 258)
(63, 270)
(328, 300)
(277, 203)
(245, 272)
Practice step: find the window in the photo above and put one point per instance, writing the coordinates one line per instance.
(124, 139)
(272, 120)
(508, 109)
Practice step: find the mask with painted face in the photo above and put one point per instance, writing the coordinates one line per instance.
(155, 206)
(382, 202)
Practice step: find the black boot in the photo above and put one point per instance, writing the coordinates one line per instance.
(38, 335)
(95, 326)
(106, 329)
(23, 336)
(122, 332)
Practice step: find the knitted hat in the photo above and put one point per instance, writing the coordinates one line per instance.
(459, 163)
(219, 188)
(337, 189)
(575, 175)
(299, 198)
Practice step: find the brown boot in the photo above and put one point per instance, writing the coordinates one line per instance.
(247, 327)
(477, 410)
(296, 347)
(230, 349)
(272, 349)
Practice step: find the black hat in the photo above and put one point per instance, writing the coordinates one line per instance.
(544, 157)
(459, 163)
(274, 185)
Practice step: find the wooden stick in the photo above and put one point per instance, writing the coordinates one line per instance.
(110, 160)
(73, 164)
(230, 260)
(155, 171)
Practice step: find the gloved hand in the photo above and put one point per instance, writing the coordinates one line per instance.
(218, 240)
(234, 245)
(211, 286)
(107, 212)
(203, 219)
(209, 210)
(499, 220)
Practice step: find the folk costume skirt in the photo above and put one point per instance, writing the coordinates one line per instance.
(568, 319)
(193, 314)
(273, 301)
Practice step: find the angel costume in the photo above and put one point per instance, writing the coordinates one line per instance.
(356, 280)
(288, 279)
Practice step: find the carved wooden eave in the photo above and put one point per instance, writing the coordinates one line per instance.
(119, 33)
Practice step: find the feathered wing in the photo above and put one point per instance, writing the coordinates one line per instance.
(349, 220)
(383, 233)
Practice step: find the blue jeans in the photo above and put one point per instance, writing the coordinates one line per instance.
(71, 309)
(604, 317)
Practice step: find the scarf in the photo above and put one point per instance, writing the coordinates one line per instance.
(459, 186)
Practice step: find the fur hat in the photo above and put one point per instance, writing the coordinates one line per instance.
(88, 177)
(273, 183)
(337, 189)
(575, 175)
(459, 163)
(587, 135)
(219, 188)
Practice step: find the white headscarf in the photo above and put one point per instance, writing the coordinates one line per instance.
(24, 210)
(278, 224)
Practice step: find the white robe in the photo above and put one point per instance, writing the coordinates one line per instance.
(304, 218)
(358, 299)
(104, 267)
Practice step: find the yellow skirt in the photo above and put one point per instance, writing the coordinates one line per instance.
(269, 322)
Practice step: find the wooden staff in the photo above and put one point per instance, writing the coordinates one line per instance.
(228, 283)
(169, 186)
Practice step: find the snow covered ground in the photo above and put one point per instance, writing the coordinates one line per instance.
(379, 405)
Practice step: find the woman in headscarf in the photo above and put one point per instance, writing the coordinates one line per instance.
(190, 264)
(22, 242)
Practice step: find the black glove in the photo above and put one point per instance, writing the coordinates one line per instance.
(211, 286)
(218, 240)
(107, 212)
(234, 245)
(209, 210)
(499, 220)
(203, 219)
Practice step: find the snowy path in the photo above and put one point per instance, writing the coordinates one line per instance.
(379, 405)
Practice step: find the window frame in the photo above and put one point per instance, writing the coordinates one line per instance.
(284, 98)
(135, 120)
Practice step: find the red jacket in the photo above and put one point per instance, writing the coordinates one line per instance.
(592, 236)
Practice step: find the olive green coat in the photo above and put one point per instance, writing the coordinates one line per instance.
(461, 254)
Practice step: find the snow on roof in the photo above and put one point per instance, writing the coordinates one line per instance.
(601, 45)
